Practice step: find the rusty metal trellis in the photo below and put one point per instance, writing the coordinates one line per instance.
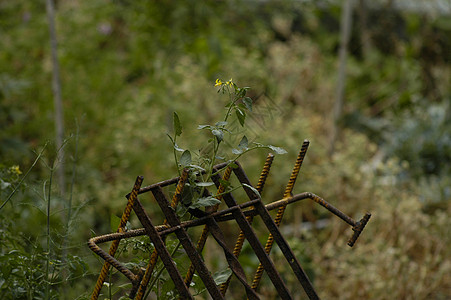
(241, 213)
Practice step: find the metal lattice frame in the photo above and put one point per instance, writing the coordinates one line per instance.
(242, 214)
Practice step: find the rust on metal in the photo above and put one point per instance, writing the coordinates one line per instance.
(358, 227)
(241, 213)
(154, 256)
(281, 211)
(187, 244)
(255, 244)
(281, 242)
(162, 251)
(241, 237)
(113, 248)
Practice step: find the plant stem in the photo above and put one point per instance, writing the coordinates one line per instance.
(232, 104)
(217, 142)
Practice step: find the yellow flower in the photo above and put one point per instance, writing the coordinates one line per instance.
(218, 82)
(230, 82)
(15, 170)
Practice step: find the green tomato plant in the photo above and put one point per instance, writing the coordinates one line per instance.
(201, 163)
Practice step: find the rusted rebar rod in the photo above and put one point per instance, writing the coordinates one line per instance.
(154, 256)
(281, 211)
(241, 237)
(254, 242)
(226, 215)
(280, 240)
(113, 248)
(162, 250)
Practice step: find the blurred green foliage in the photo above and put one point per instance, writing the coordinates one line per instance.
(126, 66)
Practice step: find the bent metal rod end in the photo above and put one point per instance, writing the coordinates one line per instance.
(358, 228)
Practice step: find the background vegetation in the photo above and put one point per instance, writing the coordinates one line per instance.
(127, 65)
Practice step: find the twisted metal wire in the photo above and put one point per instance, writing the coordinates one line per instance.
(241, 237)
(111, 261)
(203, 237)
(281, 211)
(115, 243)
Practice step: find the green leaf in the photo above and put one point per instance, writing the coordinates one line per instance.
(177, 126)
(241, 106)
(221, 123)
(236, 151)
(222, 276)
(253, 189)
(203, 126)
(241, 92)
(197, 168)
(248, 103)
(204, 183)
(241, 115)
(244, 143)
(205, 202)
(277, 150)
(218, 134)
(185, 159)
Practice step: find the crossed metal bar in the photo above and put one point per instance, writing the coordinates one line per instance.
(242, 214)
(281, 211)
